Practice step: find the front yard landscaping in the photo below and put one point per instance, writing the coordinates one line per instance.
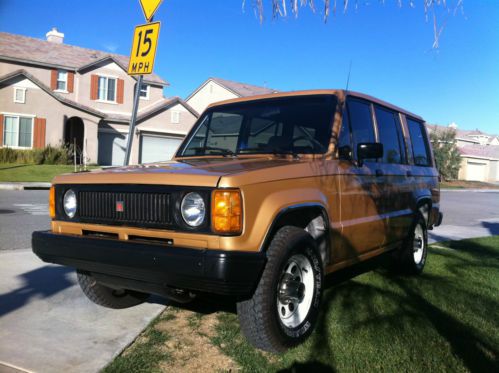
(444, 320)
(11, 172)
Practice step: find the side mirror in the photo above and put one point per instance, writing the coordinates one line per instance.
(369, 150)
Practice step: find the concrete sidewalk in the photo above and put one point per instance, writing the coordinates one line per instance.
(23, 185)
(43, 313)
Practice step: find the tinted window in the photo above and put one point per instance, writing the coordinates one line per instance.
(420, 148)
(390, 135)
(361, 123)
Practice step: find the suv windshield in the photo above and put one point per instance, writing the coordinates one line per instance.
(288, 125)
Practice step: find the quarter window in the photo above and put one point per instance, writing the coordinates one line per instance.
(420, 146)
(62, 80)
(361, 123)
(389, 135)
(17, 131)
(344, 140)
(107, 89)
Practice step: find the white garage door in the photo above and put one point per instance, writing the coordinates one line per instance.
(155, 148)
(112, 147)
(476, 171)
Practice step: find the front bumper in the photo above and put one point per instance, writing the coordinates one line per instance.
(146, 266)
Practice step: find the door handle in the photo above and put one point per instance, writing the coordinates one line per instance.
(379, 173)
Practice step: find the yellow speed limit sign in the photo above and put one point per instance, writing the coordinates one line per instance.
(145, 41)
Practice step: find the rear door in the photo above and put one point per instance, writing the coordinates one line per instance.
(394, 174)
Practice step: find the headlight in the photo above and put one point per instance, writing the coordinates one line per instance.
(70, 203)
(193, 209)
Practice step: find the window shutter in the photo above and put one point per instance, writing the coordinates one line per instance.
(94, 87)
(121, 89)
(39, 133)
(1, 130)
(71, 81)
(53, 80)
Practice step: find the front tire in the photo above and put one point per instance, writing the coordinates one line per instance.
(284, 308)
(106, 296)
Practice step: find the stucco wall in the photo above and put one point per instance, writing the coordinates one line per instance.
(41, 104)
(211, 92)
(113, 70)
(81, 92)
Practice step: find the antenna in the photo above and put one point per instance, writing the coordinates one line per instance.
(348, 77)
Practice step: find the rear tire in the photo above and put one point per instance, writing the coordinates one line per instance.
(412, 255)
(106, 296)
(284, 308)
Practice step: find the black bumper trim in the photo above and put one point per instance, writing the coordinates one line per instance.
(211, 271)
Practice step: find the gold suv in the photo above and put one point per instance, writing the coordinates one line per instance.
(264, 197)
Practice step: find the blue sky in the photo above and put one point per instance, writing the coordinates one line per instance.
(390, 49)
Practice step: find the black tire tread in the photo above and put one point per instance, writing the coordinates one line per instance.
(253, 313)
(103, 295)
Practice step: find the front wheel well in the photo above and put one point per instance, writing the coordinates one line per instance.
(313, 219)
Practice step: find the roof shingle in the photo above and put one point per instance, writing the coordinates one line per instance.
(28, 49)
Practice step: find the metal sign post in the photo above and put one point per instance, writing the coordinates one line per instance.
(145, 41)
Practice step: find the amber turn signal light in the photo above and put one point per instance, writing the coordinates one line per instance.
(52, 202)
(226, 211)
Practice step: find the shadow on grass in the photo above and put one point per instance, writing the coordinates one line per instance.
(434, 301)
(17, 166)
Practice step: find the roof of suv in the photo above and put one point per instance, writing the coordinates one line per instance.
(338, 92)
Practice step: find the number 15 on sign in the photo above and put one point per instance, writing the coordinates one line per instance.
(145, 41)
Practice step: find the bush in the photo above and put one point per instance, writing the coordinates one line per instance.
(48, 155)
(447, 156)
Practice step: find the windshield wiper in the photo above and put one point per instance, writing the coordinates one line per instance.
(221, 151)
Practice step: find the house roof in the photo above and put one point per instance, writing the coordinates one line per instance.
(238, 88)
(63, 100)
(466, 135)
(26, 49)
(165, 104)
(243, 89)
(482, 151)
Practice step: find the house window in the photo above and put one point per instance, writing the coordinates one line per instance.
(144, 91)
(62, 80)
(19, 95)
(107, 89)
(175, 117)
(18, 131)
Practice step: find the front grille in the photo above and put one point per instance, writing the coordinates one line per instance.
(134, 208)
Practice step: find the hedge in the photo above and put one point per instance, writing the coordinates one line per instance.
(48, 155)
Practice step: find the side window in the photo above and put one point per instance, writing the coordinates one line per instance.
(390, 135)
(344, 141)
(361, 123)
(420, 147)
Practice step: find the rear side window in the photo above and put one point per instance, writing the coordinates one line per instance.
(390, 135)
(361, 123)
(420, 147)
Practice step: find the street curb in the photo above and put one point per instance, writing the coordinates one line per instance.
(25, 186)
(471, 190)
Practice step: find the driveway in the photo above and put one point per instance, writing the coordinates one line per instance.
(47, 324)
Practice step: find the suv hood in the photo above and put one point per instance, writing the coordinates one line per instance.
(194, 172)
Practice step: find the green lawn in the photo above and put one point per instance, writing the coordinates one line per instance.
(29, 172)
(444, 320)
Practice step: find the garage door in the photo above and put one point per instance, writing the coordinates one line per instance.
(112, 147)
(155, 148)
(475, 171)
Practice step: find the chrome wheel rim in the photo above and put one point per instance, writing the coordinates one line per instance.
(418, 244)
(295, 291)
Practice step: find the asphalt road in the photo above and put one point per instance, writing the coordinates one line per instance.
(47, 324)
